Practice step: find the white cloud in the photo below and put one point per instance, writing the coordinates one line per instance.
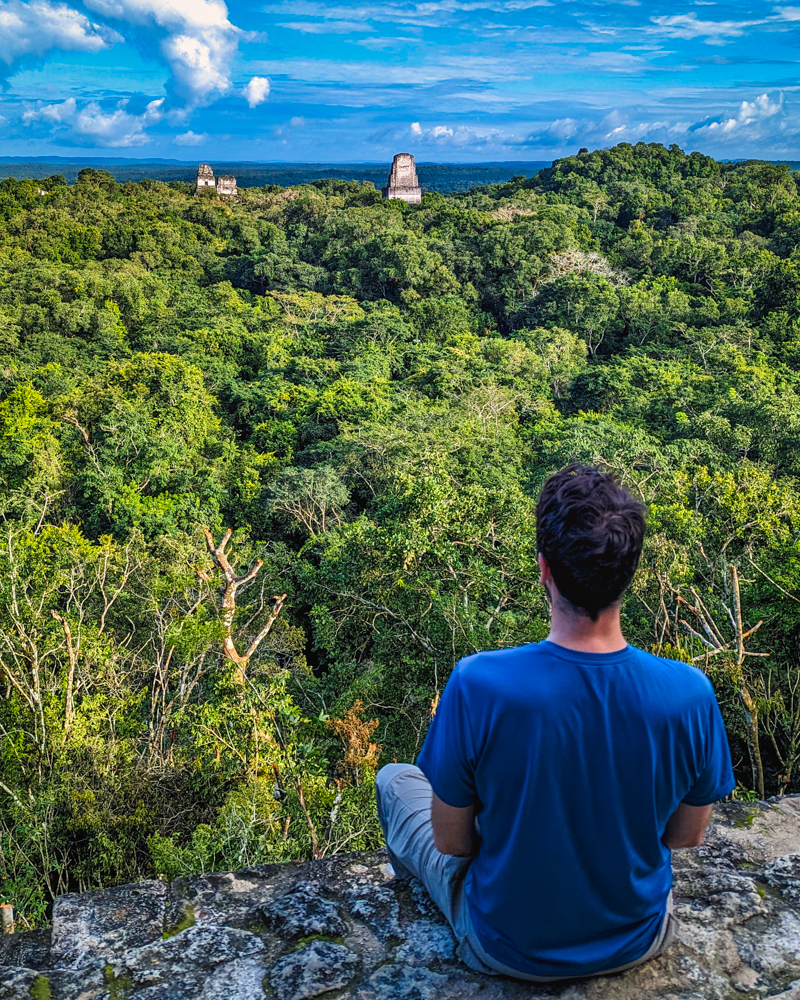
(431, 14)
(374, 72)
(256, 91)
(787, 13)
(687, 26)
(458, 136)
(31, 29)
(566, 134)
(563, 128)
(53, 113)
(396, 42)
(284, 132)
(93, 126)
(749, 116)
(762, 121)
(197, 40)
(327, 27)
(190, 138)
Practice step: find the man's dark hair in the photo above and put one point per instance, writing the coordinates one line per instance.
(590, 531)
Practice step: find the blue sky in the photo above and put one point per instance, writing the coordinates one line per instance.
(448, 80)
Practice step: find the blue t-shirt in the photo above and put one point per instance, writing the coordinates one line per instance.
(574, 762)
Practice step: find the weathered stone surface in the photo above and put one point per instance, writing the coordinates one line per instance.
(96, 926)
(302, 912)
(195, 950)
(318, 968)
(22, 984)
(16, 982)
(377, 906)
(402, 982)
(423, 904)
(425, 942)
(784, 875)
(793, 993)
(234, 981)
(737, 898)
(31, 951)
(229, 898)
(403, 183)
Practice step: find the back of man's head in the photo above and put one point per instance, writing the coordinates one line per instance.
(590, 531)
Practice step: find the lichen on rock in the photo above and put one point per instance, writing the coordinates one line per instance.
(302, 912)
(318, 968)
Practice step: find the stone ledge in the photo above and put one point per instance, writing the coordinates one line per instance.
(344, 927)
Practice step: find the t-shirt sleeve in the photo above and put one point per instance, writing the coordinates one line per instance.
(716, 779)
(446, 757)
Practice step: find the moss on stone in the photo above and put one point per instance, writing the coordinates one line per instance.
(304, 941)
(118, 986)
(187, 920)
(746, 821)
(40, 988)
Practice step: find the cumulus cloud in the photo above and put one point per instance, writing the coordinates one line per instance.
(458, 136)
(53, 113)
(749, 114)
(256, 91)
(583, 131)
(190, 138)
(195, 38)
(560, 130)
(92, 126)
(31, 29)
(762, 120)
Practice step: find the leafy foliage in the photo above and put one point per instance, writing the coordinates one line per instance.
(369, 395)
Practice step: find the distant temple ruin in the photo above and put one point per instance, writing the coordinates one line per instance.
(205, 177)
(403, 182)
(224, 185)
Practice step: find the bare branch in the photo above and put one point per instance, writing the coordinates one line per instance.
(229, 590)
(276, 610)
(69, 709)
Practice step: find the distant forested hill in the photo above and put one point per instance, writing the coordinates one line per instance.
(369, 396)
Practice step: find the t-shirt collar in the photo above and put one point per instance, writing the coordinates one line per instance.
(579, 656)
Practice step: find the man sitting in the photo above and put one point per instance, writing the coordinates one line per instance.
(556, 777)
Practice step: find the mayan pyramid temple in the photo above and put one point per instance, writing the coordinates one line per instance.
(205, 177)
(403, 182)
(224, 185)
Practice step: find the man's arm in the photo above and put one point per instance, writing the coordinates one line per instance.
(686, 826)
(453, 828)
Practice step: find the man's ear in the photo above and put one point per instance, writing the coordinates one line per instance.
(545, 574)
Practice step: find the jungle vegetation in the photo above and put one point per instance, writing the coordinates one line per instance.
(269, 468)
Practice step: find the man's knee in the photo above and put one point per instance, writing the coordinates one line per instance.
(389, 772)
(388, 776)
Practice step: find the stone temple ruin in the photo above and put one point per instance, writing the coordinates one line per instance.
(403, 182)
(225, 185)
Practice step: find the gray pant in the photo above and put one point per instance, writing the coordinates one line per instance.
(404, 809)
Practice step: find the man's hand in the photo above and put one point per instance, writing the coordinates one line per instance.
(453, 829)
(686, 826)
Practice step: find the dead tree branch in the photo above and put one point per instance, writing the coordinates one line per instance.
(229, 589)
